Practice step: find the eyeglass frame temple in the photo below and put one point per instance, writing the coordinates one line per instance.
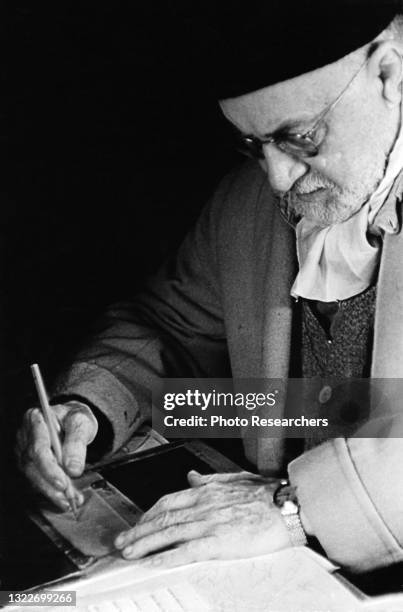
(335, 102)
(325, 112)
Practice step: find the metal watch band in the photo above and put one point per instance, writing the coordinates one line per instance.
(285, 499)
(295, 529)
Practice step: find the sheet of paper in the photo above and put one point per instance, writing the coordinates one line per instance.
(179, 598)
(290, 580)
(96, 527)
(386, 603)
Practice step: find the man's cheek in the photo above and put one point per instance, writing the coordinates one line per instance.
(323, 164)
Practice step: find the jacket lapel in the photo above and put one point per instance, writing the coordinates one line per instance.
(387, 358)
(277, 269)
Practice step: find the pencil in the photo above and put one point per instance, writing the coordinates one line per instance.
(50, 421)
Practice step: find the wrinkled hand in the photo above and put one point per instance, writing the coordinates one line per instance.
(223, 516)
(78, 427)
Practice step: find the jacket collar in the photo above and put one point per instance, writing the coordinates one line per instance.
(387, 358)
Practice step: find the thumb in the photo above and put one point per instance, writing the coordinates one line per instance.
(80, 428)
(195, 479)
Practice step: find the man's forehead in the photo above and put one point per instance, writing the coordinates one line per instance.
(297, 99)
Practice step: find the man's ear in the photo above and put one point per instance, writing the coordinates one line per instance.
(386, 64)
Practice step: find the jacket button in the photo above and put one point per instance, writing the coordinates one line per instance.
(325, 394)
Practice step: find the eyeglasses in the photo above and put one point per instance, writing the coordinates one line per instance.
(296, 144)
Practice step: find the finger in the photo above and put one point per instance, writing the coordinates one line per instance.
(43, 486)
(79, 431)
(196, 480)
(159, 523)
(74, 494)
(40, 454)
(60, 495)
(190, 552)
(199, 500)
(173, 501)
(36, 428)
(162, 539)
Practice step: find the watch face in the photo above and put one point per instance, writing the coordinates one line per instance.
(284, 493)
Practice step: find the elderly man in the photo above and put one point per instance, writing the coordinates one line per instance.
(292, 270)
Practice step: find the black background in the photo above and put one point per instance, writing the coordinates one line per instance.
(115, 145)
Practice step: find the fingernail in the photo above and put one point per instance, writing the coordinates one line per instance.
(59, 484)
(33, 416)
(65, 504)
(120, 540)
(79, 498)
(128, 551)
(73, 466)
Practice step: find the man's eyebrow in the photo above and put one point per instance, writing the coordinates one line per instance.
(289, 125)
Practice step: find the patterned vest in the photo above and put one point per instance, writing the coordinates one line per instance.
(336, 344)
(342, 347)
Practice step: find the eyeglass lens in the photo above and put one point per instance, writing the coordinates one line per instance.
(298, 145)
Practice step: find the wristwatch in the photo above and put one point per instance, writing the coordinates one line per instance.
(285, 498)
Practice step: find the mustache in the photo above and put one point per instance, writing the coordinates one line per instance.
(306, 184)
(288, 200)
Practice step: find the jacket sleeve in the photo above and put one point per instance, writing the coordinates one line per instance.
(174, 328)
(350, 491)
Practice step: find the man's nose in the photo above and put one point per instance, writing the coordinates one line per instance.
(282, 169)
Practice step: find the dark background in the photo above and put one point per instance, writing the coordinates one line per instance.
(115, 145)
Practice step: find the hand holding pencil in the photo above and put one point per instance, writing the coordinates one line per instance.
(70, 492)
(52, 444)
